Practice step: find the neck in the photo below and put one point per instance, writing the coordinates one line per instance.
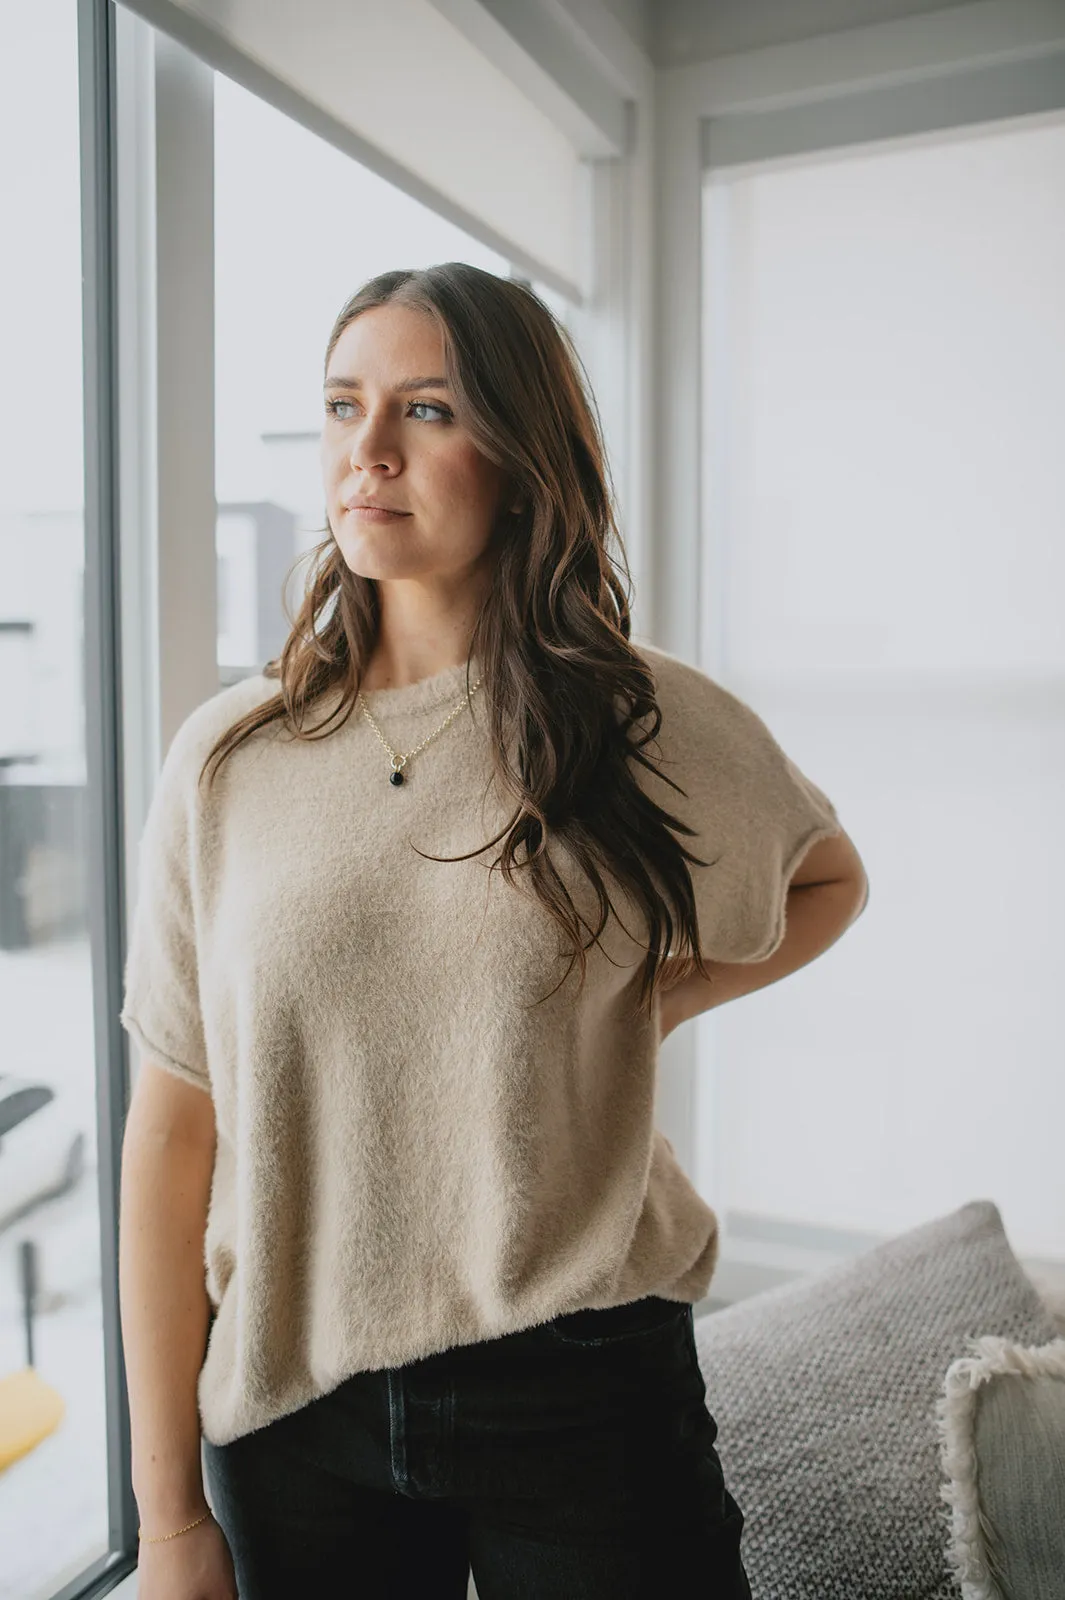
(384, 671)
(424, 628)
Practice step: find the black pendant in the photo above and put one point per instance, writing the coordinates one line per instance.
(396, 777)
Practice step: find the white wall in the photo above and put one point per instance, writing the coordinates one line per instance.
(884, 564)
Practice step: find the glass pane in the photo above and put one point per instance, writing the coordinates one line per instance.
(298, 227)
(885, 565)
(53, 1460)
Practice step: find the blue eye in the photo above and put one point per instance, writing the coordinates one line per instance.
(333, 408)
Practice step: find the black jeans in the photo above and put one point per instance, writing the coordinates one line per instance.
(570, 1461)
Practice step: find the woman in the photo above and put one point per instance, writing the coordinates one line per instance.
(396, 1104)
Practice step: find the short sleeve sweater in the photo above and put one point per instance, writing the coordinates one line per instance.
(412, 1153)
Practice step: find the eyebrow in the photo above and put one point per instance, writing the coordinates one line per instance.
(401, 388)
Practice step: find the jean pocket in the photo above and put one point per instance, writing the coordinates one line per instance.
(616, 1325)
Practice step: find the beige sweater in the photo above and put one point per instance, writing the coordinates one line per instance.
(411, 1155)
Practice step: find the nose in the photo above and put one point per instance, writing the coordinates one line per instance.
(373, 447)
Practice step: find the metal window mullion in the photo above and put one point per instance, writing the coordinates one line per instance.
(103, 743)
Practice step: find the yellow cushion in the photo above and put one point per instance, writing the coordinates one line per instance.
(29, 1411)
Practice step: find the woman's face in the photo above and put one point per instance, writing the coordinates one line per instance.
(390, 436)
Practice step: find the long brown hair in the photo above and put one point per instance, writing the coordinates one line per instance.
(563, 685)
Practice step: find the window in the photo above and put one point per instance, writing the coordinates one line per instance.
(298, 227)
(83, 278)
(884, 565)
(54, 1482)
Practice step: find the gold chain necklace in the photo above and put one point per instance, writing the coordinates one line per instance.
(400, 761)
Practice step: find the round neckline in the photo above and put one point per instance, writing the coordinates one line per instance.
(424, 693)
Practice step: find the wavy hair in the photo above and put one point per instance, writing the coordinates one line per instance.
(564, 687)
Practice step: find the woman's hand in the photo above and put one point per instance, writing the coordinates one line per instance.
(196, 1565)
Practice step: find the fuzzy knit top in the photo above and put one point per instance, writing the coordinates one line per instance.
(412, 1154)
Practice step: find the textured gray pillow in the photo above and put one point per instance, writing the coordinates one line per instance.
(825, 1392)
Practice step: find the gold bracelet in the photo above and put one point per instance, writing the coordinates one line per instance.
(160, 1538)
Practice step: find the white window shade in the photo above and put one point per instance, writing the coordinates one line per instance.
(402, 89)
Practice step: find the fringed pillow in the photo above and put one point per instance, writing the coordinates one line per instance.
(1002, 1436)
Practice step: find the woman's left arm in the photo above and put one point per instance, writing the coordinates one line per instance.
(828, 891)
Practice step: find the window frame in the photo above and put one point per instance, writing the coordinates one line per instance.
(103, 751)
(915, 77)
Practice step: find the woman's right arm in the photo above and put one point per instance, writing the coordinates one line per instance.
(167, 1163)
